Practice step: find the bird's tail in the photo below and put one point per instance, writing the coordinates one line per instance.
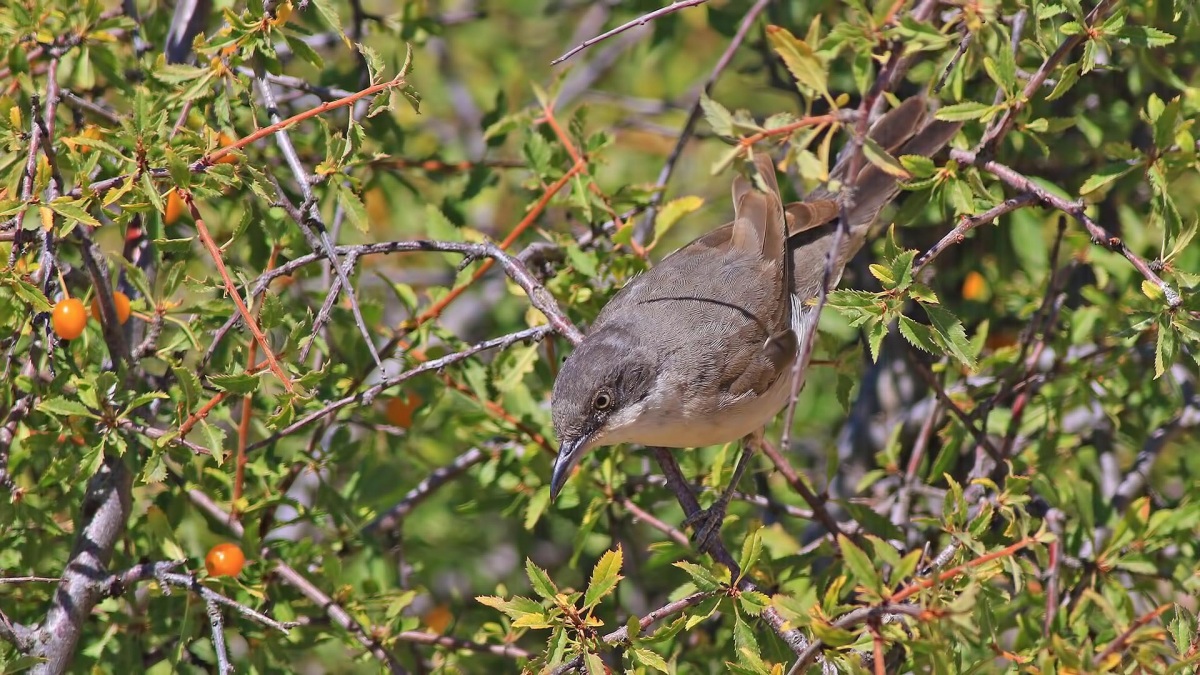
(905, 130)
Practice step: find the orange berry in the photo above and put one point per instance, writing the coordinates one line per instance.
(400, 410)
(174, 207)
(69, 318)
(224, 560)
(438, 619)
(121, 304)
(224, 140)
(975, 287)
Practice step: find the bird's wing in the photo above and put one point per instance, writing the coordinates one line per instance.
(726, 295)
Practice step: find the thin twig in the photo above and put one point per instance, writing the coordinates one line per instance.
(1077, 210)
(232, 290)
(645, 226)
(312, 217)
(641, 20)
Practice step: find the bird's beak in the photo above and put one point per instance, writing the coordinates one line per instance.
(569, 454)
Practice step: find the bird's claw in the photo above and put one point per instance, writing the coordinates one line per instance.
(706, 526)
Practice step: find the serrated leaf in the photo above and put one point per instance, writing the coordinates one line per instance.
(883, 274)
(1066, 80)
(952, 334)
(65, 407)
(800, 59)
(859, 563)
(329, 14)
(236, 383)
(518, 363)
(919, 335)
(717, 116)
(751, 550)
(515, 608)
(919, 166)
(356, 211)
(1165, 348)
(213, 438)
(605, 576)
(1105, 176)
(29, 293)
(1145, 36)
(753, 602)
(540, 581)
(672, 211)
(703, 579)
(650, 659)
(73, 209)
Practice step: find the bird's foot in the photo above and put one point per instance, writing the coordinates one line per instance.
(706, 525)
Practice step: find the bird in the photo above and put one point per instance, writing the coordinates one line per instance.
(698, 350)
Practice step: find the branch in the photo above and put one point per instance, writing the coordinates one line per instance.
(645, 226)
(1075, 209)
(369, 394)
(312, 217)
(641, 20)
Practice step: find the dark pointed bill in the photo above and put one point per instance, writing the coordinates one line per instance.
(569, 454)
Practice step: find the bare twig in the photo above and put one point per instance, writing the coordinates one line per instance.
(369, 394)
(1077, 210)
(312, 217)
(390, 520)
(966, 224)
(645, 227)
(641, 20)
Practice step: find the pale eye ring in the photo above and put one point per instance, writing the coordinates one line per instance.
(603, 401)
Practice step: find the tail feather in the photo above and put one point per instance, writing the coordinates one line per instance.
(902, 131)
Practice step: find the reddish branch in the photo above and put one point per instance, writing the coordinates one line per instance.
(232, 290)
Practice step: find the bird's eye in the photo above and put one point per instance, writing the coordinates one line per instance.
(602, 401)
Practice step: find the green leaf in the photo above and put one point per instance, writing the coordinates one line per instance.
(717, 116)
(919, 335)
(952, 334)
(967, 110)
(594, 664)
(516, 608)
(236, 383)
(753, 602)
(605, 576)
(883, 274)
(919, 166)
(356, 211)
(879, 157)
(703, 579)
(859, 563)
(29, 293)
(329, 14)
(1165, 348)
(800, 59)
(1145, 36)
(1105, 176)
(751, 550)
(73, 209)
(650, 659)
(672, 211)
(1066, 80)
(213, 438)
(65, 407)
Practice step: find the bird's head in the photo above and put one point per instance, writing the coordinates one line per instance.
(600, 394)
